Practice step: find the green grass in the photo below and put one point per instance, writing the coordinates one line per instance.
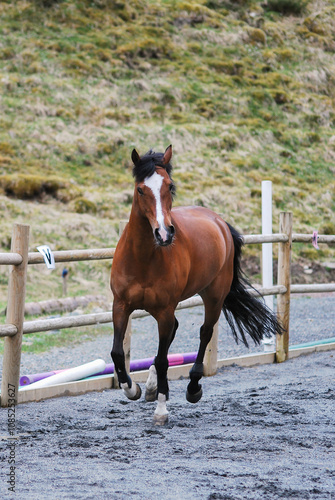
(244, 93)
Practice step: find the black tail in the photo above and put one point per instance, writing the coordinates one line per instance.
(245, 313)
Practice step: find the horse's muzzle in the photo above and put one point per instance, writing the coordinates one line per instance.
(164, 237)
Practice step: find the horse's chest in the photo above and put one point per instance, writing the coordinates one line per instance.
(148, 287)
(146, 296)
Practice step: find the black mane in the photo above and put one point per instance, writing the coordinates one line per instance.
(146, 165)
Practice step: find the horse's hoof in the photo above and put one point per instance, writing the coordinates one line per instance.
(194, 398)
(150, 395)
(137, 395)
(161, 419)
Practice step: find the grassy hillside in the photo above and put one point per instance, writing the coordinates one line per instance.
(244, 91)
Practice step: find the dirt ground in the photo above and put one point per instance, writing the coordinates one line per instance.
(266, 432)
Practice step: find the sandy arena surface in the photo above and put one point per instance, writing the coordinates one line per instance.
(265, 432)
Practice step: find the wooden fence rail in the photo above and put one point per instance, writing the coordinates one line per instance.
(10, 259)
(43, 325)
(73, 255)
(307, 238)
(19, 259)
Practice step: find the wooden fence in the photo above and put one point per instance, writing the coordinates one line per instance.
(19, 258)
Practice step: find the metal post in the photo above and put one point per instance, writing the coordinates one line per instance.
(65, 274)
(15, 316)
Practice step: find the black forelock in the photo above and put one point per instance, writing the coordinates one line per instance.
(147, 164)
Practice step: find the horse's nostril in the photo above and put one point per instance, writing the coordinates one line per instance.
(164, 236)
(158, 236)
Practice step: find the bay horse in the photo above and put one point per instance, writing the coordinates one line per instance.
(167, 255)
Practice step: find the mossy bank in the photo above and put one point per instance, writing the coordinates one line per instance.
(244, 91)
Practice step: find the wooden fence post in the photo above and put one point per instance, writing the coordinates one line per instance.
(127, 337)
(15, 316)
(284, 278)
(211, 354)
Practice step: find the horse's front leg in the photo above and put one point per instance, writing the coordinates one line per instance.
(120, 321)
(167, 327)
(151, 384)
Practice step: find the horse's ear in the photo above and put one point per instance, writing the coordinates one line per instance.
(135, 157)
(167, 155)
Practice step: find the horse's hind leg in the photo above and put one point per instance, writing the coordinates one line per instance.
(151, 383)
(212, 314)
(120, 320)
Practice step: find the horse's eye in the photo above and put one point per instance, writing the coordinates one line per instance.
(140, 191)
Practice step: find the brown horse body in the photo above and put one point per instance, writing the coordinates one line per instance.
(155, 278)
(167, 255)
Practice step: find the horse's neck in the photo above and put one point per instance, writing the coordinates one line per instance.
(139, 238)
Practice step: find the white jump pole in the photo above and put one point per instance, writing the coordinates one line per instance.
(70, 375)
(267, 262)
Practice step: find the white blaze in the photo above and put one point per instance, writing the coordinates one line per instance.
(154, 182)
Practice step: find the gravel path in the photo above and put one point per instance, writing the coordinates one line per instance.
(311, 319)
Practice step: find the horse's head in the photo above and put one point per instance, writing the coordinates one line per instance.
(154, 191)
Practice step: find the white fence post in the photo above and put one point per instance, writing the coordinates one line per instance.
(267, 260)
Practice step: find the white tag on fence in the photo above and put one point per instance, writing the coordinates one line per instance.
(48, 256)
